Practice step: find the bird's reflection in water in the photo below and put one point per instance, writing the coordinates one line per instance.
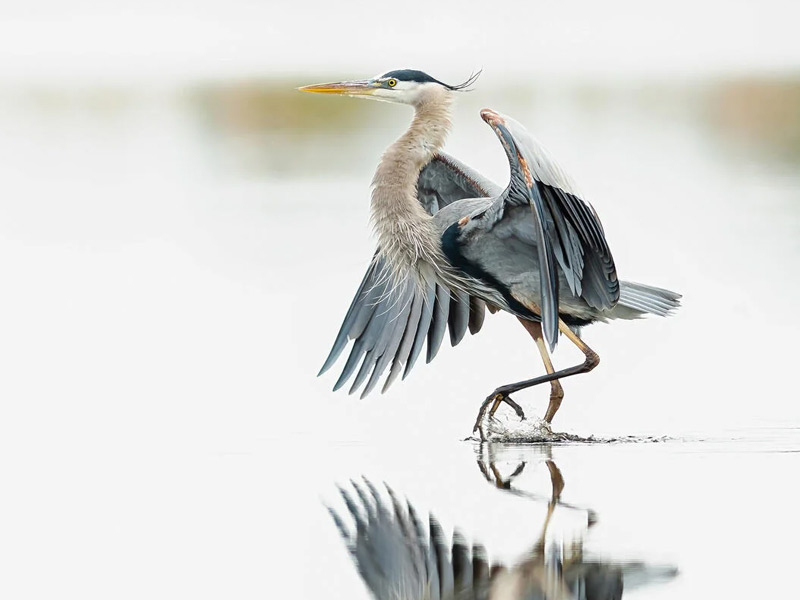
(400, 556)
(555, 572)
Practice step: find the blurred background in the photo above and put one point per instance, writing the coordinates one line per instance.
(181, 233)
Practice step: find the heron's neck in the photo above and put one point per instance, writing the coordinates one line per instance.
(404, 229)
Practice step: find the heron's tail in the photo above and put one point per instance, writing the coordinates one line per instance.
(637, 300)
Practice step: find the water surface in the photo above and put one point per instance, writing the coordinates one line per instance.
(176, 266)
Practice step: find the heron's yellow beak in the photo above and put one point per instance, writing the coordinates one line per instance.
(345, 88)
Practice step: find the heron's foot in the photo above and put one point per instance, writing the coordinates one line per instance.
(495, 398)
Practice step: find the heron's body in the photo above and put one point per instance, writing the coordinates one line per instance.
(451, 242)
(496, 262)
(506, 260)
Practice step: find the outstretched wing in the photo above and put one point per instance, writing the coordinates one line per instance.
(390, 321)
(573, 228)
(549, 215)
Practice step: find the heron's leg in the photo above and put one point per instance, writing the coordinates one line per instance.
(589, 363)
(557, 482)
(484, 471)
(505, 484)
(556, 391)
(498, 401)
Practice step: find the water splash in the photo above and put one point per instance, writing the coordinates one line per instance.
(510, 430)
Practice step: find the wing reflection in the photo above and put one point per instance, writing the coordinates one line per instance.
(401, 556)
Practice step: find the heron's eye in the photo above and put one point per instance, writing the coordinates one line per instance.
(391, 82)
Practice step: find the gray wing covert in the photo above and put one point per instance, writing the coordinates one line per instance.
(445, 179)
(390, 322)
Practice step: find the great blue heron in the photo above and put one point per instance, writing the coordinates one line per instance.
(450, 242)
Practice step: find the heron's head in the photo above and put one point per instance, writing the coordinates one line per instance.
(404, 86)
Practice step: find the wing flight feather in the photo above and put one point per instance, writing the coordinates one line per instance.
(422, 329)
(458, 321)
(440, 314)
(548, 276)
